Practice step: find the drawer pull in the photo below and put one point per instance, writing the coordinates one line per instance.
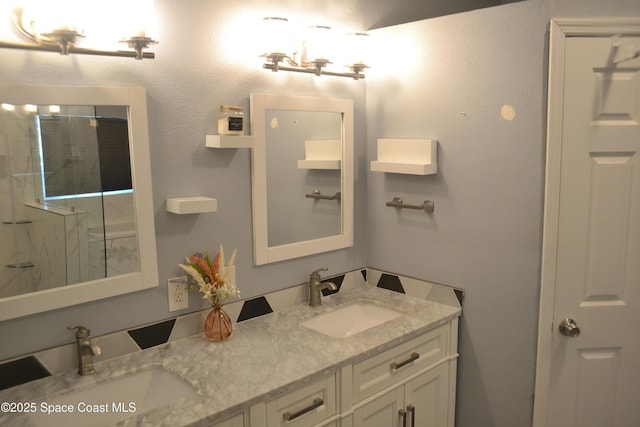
(403, 416)
(414, 356)
(317, 402)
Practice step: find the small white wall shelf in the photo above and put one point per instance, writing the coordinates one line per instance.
(407, 156)
(191, 205)
(321, 154)
(229, 141)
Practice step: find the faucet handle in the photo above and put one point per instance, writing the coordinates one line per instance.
(81, 331)
(316, 273)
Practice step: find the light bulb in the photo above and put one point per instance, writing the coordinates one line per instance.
(318, 43)
(276, 36)
(357, 48)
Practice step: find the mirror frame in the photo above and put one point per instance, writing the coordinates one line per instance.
(260, 103)
(136, 99)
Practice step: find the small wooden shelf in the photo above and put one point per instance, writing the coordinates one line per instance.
(407, 156)
(229, 141)
(191, 205)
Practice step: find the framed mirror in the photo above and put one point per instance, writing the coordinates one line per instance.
(302, 176)
(76, 206)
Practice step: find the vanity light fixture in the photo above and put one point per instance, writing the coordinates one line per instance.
(316, 47)
(64, 35)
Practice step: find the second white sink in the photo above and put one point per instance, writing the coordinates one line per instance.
(350, 320)
(105, 403)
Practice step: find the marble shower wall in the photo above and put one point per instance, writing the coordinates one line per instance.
(43, 245)
(16, 186)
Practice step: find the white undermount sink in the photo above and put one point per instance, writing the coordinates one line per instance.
(104, 403)
(350, 320)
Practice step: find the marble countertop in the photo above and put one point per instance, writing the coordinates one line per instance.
(264, 357)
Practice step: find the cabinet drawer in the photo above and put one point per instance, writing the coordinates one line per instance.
(304, 407)
(391, 366)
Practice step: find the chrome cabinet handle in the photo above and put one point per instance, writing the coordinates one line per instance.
(317, 402)
(412, 411)
(403, 415)
(569, 328)
(414, 356)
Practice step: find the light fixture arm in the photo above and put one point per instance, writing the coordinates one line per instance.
(63, 42)
(65, 39)
(77, 50)
(138, 44)
(315, 67)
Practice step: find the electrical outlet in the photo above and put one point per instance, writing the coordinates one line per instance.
(178, 292)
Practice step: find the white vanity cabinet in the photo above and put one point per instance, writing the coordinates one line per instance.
(421, 402)
(412, 384)
(409, 385)
(277, 372)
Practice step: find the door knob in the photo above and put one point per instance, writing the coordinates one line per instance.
(569, 328)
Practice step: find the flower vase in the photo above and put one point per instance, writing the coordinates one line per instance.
(218, 326)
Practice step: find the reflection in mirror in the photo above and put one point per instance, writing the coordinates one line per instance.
(70, 189)
(302, 176)
(292, 216)
(71, 207)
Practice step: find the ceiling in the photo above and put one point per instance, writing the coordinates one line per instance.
(385, 13)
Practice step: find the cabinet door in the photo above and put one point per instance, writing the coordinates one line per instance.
(237, 421)
(426, 398)
(381, 412)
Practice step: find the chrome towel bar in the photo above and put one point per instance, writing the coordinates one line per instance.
(316, 194)
(426, 206)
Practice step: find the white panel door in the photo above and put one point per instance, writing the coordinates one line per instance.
(426, 398)
(594, 375)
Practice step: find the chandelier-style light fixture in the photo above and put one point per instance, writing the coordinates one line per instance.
(317, 50)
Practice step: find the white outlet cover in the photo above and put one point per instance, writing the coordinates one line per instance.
(178, 293)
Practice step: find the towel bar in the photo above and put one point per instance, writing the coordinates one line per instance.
(426, 206)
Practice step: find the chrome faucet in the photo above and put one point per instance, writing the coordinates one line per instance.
(86, 350)
(316, 286)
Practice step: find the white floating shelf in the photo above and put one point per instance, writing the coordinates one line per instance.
(229, 141)
(407, 156)
(318, 164)
(321, 154)
(191, 205)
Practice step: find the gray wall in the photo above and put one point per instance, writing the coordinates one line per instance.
(461, 81)
(485, 233)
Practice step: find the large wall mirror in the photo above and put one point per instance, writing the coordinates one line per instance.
(76, 207)
(302, 179)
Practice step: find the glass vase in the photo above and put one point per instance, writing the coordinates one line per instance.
(218, 326)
